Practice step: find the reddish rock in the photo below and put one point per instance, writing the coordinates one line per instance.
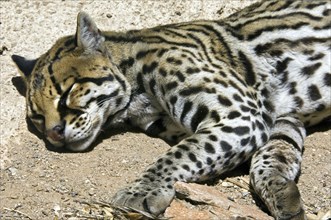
(212, 205)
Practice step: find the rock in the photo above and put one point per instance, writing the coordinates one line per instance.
(57, 209)
(215, 205)
(91, 192)
(12, 170)
(226, 184)
(178, 210)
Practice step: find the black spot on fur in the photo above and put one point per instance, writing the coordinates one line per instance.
(281, 158)
(251, 104)
(269, 106)
(144, 53)
(224, 101)
(183, 147)
(314, 93)
(234, 114)
(227, 129)
(225, 146)
(156, 128)
(298, 101)
(173, 60)
(327, 79)
(192, 70)
(215, 116)
(173, 100)
(310, 70)
(149, 68)
(265, 93)
(187, 108)
(192, 157)
(218, 81)
(125, 64)
(212, 137)
(227, 155)
(253, 143)
(244, 108)
(320, 107)
(292, 88)
(267, 119)
(316, 57)
(244, 141)
(209, 161)
(281, 66)
(178, 155)
(186, 167)
(264, 137)
(171, 85)
(152, 84)
(241, 130)
(209, 148)
(119, 101)
(250, 76)
(262, 48)
(199, 116)
(161, 52)
(168, 162)
(191, 91)
(260, 125)
(140, 82)
(163, 72)
(180, 76)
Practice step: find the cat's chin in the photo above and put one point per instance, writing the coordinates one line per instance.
(75, 146)
(80, 145)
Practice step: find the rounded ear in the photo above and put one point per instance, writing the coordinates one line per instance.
(24, 65)
(88, 36)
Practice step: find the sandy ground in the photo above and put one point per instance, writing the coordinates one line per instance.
(41, 183)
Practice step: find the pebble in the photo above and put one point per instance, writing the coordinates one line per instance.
(18, 205)
(227, 184)
(91, 192)
(244, 194)
(124, 161)
(44, 212)
(56, 208)
(12, 170)
(74, 194)
(231, 199)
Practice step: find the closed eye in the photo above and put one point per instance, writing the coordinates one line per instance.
(63, 99)
(37, 117)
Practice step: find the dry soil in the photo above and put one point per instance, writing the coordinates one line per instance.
(40, 183)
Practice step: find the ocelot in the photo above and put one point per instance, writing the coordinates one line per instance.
(223, 92)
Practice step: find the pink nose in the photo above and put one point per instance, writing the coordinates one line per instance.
(56, 134)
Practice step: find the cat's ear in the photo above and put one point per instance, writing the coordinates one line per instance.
(24, 65)
(88, 36)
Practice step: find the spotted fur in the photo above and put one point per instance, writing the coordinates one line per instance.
(222, 91)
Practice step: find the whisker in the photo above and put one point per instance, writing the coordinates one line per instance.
(97, 105)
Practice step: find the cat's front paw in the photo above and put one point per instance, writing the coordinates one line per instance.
(150, 198)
